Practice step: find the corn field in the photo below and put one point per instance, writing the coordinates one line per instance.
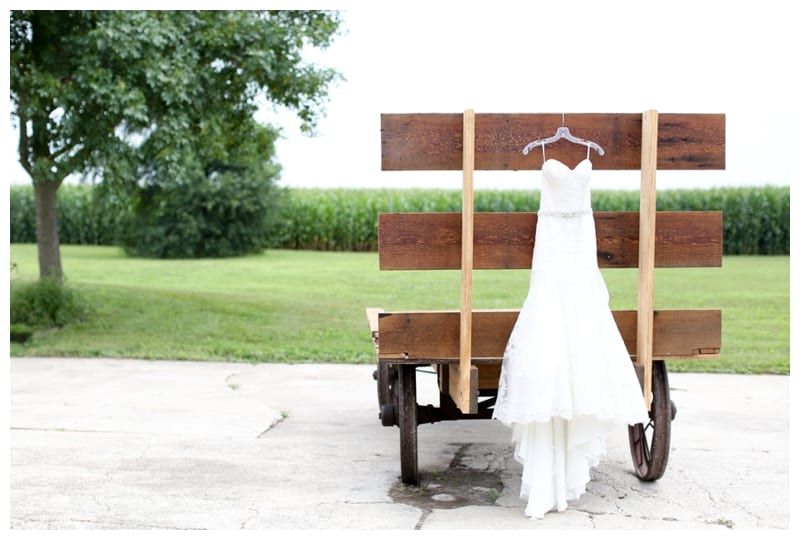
(755, 219)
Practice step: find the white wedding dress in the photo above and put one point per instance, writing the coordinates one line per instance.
(566, 378)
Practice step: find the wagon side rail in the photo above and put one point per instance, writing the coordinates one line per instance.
(467, 345)
(469, 141)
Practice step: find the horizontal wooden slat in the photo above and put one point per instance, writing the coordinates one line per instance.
(504, 240)
(434, 141)
(488, 376)
(433, 335)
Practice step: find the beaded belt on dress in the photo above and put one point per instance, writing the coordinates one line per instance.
(559, 214)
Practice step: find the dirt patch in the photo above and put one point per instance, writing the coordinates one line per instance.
(471, 479)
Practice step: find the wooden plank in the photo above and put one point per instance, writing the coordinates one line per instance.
(433, 336)
(486, 378)
(372, 319)
(647, 249)
(434, 141)
(504, 240)
(488, 375)
(462, 387)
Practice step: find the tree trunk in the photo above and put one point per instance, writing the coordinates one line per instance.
(47, 230)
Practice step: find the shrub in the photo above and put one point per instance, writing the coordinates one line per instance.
(211, 216)
(20, 333)
(45, 304)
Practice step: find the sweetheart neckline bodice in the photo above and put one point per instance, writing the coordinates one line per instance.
(573, 169)
(565, 189)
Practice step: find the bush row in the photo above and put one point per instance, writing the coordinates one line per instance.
(755, 219)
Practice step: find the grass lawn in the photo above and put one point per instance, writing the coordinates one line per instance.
(307, 306)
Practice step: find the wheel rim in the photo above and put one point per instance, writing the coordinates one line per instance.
(649, 443)
(407, 422)
(386, 375)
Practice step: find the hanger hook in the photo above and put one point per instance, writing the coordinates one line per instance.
(562, 119)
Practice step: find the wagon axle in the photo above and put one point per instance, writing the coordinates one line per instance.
(397, 393)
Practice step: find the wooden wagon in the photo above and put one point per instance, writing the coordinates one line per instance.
(466, 346)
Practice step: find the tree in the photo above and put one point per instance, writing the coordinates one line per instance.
(119, 95)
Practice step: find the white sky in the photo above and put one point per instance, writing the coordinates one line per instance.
(557, 56)
(553, 56)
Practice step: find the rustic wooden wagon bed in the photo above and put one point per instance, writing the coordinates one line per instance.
(466, 346)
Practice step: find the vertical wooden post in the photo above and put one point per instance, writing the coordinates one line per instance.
(647, 243)
(463, 377)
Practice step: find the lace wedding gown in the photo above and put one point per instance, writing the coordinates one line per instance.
(566, 378)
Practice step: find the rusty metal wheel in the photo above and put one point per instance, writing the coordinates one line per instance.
(407, 421)
(386, 375)
(650, 443)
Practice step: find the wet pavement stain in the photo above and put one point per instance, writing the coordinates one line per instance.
(468, 481)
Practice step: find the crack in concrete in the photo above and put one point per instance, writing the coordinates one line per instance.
(421, 521)
(255, 514)
(284, 416)
(720, 521)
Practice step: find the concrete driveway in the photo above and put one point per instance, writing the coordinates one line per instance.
(133, 444)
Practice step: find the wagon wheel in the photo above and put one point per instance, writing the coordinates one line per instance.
(650, 444)
(407, 421)
(386, 375)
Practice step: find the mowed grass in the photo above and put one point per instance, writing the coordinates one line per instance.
(309, 306)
